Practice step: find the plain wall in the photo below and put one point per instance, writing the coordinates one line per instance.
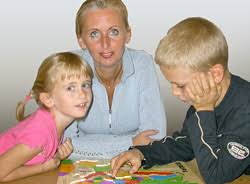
(32, 30)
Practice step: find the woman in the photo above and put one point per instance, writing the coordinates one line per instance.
(126, 109)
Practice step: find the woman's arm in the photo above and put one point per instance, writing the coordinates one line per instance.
(151, 110)
(12, 163)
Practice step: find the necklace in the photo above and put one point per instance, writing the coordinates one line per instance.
(110, 83)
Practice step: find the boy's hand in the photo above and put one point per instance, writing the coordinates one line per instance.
(204, 92)
(144, 138)
(65, 149)
(132, 157)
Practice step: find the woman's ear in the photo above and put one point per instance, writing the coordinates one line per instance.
(46, 99)
(81, 43)
(129, 34)
(218, 72)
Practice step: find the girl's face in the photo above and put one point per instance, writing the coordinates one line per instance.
(179, 78)
(105, 36)
(71, 98)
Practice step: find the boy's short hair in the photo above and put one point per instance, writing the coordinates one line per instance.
(100, 4)
(195, 43)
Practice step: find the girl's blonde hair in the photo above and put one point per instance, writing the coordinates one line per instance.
(195, 43)
(100, 4)
(62, 66)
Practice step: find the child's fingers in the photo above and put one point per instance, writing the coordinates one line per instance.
(190, 93)
(197, 86)
(205, 83)
(62, 148)
(68, 139)
(211, 80)
(66, 149)
(68, 146)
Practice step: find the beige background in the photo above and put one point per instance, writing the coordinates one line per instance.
(32, 30)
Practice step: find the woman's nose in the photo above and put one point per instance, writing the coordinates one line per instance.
(105, 41)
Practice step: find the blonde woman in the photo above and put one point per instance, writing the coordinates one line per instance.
(127, 108)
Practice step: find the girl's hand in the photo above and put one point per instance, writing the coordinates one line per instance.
(204, 92)
(65, 149)
(144, 138)
(51, 164)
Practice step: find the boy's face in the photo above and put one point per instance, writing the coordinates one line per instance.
(179, 79)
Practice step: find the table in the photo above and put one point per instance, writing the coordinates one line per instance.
(44, 178)
(51, 177)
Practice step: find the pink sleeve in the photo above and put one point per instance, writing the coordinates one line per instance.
(34, 140)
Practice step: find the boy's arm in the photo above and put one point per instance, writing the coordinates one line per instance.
(12, 163)
(221, 156)
(219, 130)
(169, 149)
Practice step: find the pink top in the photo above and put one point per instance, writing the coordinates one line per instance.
(36, 131)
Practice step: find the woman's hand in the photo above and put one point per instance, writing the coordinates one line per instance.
(144, 138)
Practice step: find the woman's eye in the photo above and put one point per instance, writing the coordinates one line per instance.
(114, 32)
(94, 34)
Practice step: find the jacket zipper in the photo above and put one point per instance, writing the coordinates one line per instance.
(110, 111)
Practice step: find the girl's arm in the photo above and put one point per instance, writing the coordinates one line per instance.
(12, 163)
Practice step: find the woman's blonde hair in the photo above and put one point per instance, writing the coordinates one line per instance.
(100, 4)
(195, 43)
(62, 66)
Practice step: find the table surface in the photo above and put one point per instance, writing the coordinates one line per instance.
(51, 177)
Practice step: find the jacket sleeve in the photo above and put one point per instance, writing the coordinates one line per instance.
(169, 149)
(151, 109)
(96, 146)
(221, 156)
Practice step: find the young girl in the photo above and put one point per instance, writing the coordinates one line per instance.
(63, 92)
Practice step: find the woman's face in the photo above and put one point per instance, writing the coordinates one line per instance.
(104, 34)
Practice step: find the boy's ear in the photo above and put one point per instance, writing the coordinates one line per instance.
(218, 72)
(46, 99)
(81, 43)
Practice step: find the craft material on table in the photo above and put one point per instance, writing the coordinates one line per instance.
(97, 172)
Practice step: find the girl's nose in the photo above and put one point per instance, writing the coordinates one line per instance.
(82, 93)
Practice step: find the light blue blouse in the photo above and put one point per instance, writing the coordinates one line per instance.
(136, 107)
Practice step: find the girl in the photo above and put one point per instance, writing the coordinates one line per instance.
(62, 90)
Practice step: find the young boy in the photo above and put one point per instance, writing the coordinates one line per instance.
(193, 57)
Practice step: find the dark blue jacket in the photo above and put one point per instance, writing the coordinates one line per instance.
(219, 139)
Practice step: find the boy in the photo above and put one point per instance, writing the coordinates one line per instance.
(193, 57)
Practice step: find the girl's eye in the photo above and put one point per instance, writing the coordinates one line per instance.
(94, 34)
(86, 85)
(114, 32)
(70, 88)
